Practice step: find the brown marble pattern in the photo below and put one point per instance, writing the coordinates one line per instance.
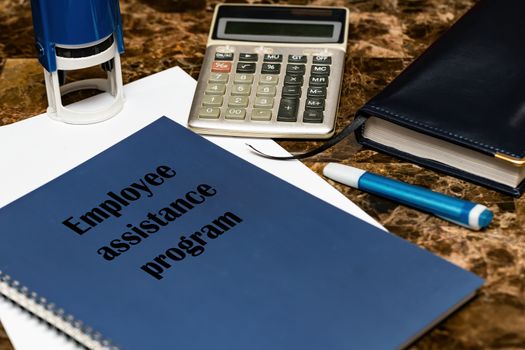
(386, 35)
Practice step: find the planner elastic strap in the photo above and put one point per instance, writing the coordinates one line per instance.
(356, 123)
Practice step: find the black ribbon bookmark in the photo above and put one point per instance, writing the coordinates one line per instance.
(357, 122)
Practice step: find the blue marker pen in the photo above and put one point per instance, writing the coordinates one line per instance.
(464, 213)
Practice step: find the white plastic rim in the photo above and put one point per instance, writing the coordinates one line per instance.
(112, 85)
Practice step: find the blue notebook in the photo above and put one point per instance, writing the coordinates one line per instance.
(166, 241)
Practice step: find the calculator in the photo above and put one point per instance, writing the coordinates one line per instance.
(271, 71)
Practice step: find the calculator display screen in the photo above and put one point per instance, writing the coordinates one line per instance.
(280, 24)
(294, 29)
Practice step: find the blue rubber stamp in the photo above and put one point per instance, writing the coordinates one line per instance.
(79, 34)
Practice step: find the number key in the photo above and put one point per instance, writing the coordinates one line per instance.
(212, 101)
(266, 90)
(218, 78)
(209, 113)
(269, 79)
(241, 90)
(263, 102)
(235, 113)
(238, 101)
(243, 78)
(215, 89)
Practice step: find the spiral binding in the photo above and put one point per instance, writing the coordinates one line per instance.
(55, 316)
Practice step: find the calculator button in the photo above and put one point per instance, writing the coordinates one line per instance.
(224, 56)
(291, 91)
(266, 90)
(269, 79)
(288, 110)
(243, 79)
(241, 90)
(245, 67)
(238, 101)
(221, 67)
(313, 116)
(218, 78)
(297, 58)
(318, 80)
(271, 68)
(263, 102)
(314, 103)
(319, 92)
(215, 89)
(322, 60)
(295, 69)
(293, 80)
(209, 113)
(250, 57)
(212, 101)
(261, 114)
(321, 70)
(235, 113)
(273, 57)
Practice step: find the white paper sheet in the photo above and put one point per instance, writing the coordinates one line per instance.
(36, 150)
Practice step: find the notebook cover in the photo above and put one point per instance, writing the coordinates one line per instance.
(287, 271)
(467, 88)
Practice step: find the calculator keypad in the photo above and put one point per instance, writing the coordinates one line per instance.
(290, 92)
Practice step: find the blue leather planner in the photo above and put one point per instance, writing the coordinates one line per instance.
(166, 241)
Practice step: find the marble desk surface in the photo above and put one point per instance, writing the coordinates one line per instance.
(385, 36)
